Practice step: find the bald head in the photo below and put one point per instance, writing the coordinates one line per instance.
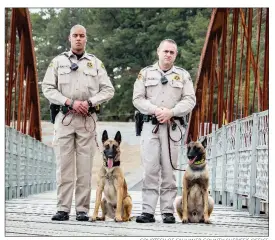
(78, 26)
(167, 53)
(171, 41)
(78, 39)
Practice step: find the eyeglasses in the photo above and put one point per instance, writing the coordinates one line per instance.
(163, 80)
(171, 52)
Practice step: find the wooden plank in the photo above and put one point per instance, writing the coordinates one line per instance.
(32, 216)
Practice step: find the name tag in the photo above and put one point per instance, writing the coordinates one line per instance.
(64, 66)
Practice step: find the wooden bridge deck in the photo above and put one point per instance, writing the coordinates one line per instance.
(32, 217)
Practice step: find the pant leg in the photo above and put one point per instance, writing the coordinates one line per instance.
(150, 152)
(64, 148)
(85, 149)
(168, 188)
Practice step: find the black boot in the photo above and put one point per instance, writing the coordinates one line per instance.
(82, 216)
(145, 218)
(168, 218)
(60, 216)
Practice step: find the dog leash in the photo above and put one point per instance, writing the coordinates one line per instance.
(73, 112)
(169, 147)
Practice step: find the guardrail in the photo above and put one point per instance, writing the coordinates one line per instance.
(30, 166)
(237, 156)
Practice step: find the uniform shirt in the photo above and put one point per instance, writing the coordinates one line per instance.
(89, 82)
(178, 94)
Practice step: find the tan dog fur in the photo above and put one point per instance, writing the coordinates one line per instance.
(116, 203)
(197, 205)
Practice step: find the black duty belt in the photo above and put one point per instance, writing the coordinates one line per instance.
(148, 118)
(66, 109)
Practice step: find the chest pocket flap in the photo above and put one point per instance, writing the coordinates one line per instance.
(151, 82)
(176, 84)
(62, 71)
(90, 72)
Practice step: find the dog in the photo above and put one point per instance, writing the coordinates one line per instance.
(195, 205)
(116, 203)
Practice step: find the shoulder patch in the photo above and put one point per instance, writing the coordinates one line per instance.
(51, 64)
(139, 76)
(102, 65)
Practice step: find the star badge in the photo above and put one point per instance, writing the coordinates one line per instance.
(89, 64)
(177, 77)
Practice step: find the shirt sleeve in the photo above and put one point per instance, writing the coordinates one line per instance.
(50, 85)
(188, 98)
(106, 89)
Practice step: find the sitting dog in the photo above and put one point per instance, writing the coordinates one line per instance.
(195, 205)
(116, 203)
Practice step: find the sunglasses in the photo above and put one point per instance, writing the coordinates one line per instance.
(171, 52)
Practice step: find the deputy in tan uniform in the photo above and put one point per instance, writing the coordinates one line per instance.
(162, 91)
(77, 81)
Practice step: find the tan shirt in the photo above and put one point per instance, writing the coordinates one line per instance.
(89, 82)
(177, 94)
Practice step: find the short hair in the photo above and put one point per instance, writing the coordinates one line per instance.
(77, 26)
(168, 40)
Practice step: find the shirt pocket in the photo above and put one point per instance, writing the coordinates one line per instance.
(176, 89)
(151, 87)
(90, 78)
(63, 78)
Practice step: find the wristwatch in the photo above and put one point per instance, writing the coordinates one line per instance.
(90, 103)
(72, 104)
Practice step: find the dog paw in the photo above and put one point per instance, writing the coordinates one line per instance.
(118, 219)
(206, 220)
(93, 218)
(100, 218)
(184, 220)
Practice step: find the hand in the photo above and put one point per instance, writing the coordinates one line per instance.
(158, 111)
(79, 108)
(85, 106)
(164, 115)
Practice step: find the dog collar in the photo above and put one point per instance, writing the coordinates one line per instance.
(116, 164)
(199, 162)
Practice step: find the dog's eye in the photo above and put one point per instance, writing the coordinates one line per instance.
(107, 146)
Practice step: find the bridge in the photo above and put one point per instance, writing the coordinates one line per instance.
(234, 121)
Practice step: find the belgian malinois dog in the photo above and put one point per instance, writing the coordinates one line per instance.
(116, 203)
(195, 205)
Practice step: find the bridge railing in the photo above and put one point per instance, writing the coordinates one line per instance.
(29, 165)
(237, 155)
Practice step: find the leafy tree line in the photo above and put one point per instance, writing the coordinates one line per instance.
(124, 39)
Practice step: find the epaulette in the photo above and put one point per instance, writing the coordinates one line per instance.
(89, 54)
(146, 68)
(181, 69)
(64, 53)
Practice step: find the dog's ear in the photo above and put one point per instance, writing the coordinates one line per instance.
(204, 142)
(104, 136)
(118, 137)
